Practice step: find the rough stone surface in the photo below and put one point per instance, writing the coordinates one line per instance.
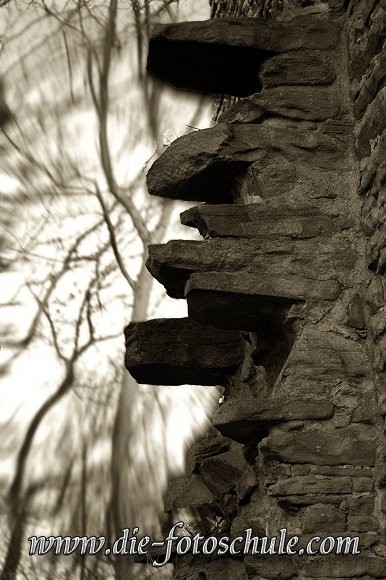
(325, 447)
(361, 505)
(363, 484)
(235, 307)
(345, 471)
(274, 9)
(373, 122)
(347, 567)
(366, 41)
(283, 567)
(187, 492)
(219, 570)
(367, 90)
(323, 518)
(311, 484)
(176, 351)
(289, 502)
(221, 473)
(332, 366)
(211, 446)
(362, 523)
(298, 68)
(299, 33)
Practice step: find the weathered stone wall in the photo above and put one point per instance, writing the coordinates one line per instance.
(367, 72)
(285, 293)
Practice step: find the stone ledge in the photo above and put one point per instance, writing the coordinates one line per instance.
(269, 220)
(242, 419)
(248, 301)
(180, 351)
(228, 302)
(224, 56)
(301, 270)
(203, 165)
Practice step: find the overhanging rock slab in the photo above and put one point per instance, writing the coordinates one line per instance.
(267, 220)
(230, 300)
(180, 351)
(203, 165)
(245, 419)
(284, 269)
(246, 283)
(224, 56)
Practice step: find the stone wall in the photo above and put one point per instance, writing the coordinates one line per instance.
(367, 75)
(285, 293)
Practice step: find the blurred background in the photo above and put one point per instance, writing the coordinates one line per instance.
(84, 449)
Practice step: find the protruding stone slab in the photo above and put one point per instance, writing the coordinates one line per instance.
(285, 270)
(234, 300)
(298, 102)
(345, 446)
(180, 351)
(223, 56)
(227, 307)
(199, 166)
(245, 419)
(268, 220)
(202, 165)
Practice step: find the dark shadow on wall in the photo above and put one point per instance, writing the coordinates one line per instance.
(207, 68)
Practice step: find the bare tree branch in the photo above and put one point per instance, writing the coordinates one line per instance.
(113, 241)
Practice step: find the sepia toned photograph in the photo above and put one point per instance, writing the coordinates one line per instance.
(192, 289)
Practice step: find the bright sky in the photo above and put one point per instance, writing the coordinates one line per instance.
(37, 372)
